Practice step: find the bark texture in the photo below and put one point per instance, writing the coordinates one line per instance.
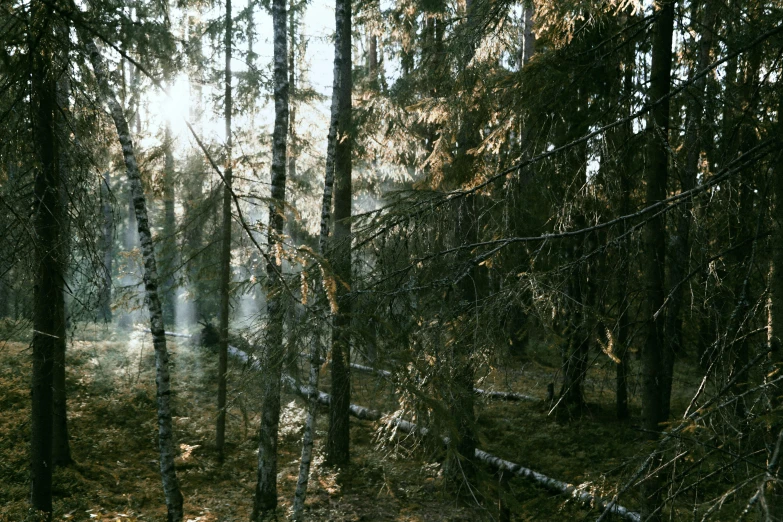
(61, 447)
(656, 176)
(266, 485)
(47, 261)
(337, 446)
(166, 444)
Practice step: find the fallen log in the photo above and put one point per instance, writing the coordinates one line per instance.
(493, 462)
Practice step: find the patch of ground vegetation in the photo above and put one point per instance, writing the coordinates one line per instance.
(112, 415)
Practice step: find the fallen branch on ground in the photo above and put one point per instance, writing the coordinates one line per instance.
(496, 463)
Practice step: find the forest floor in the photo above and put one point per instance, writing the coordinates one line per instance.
(112, 416)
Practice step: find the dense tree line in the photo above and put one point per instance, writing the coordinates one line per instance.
(601, 177)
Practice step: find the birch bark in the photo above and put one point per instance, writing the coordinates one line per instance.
(266, 485)
(166, 444)
(315, 353)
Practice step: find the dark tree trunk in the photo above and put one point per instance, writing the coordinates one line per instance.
(575, 352)
(225, 249)
(48, 266)
(337, 446)
(680, 244)
(656, 176)
(166, 443)
(61, 448)
(266, 486)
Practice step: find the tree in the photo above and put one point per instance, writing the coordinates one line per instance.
(166, 444)
(61, 449)
(225, 248)
(339, 256)
(266, 487)
(656, 176)
(48, 316)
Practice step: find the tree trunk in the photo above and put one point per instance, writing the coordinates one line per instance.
(47, 261)
(656, 176)
(680, 244)
(61, 448)
(315, 353)
(162, 379)
(575, 352)
(337, 446)
(266, 487)
(225, 250)
(528, 37)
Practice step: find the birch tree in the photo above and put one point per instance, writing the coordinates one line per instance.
(266, 487)
(166, 445)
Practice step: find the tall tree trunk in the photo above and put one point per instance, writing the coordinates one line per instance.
(61, 448)
(315, 351)
(225, 249)
(338, 441)
(266, 486)
(579, 296)
(680, 244)
(166, 444)
(48, 264)
(656, 176)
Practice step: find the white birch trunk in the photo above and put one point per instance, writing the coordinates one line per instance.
(266, 486)
(166, 445)
(496, 463)
(315, 354)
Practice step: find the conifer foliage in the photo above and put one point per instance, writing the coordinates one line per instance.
(481, 229)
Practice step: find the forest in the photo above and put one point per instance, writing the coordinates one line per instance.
(414, 260)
